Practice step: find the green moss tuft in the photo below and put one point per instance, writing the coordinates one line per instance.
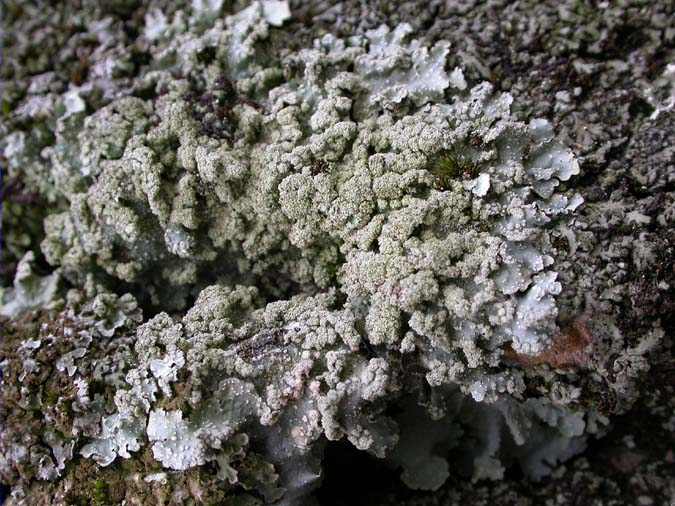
(100, 493)
(451, 165)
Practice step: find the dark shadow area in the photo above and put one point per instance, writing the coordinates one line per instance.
(354, 478)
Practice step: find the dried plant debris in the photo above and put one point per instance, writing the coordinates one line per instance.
(249, 248)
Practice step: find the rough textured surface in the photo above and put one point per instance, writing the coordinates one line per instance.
(362, 240)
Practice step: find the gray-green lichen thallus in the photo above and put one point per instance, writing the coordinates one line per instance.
(344, 241)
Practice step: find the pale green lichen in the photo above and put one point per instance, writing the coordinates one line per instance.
(30, 291)
(358, 231)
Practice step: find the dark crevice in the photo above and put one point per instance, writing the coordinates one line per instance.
(356, 478)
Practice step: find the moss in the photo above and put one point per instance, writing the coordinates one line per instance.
(51, 396)
(273, 79)
(451, 165)
(86, 484)
(6, 108)
(100, 493)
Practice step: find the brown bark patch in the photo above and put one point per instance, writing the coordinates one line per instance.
(569, 350)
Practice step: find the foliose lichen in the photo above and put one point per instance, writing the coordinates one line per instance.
(321, 235)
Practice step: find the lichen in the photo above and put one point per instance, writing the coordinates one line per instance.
(341, 242)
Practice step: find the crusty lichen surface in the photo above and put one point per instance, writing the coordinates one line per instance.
(254, 249)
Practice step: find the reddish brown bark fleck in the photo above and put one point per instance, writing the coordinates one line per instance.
(569, 349)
